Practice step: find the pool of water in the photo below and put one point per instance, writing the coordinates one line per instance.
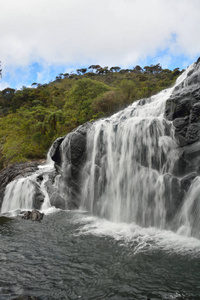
(72, 255)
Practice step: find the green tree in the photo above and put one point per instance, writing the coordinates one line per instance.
(78, 101)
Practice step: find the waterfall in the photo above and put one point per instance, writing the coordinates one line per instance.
(19, 194)
(28, 192)
(122, 167)
(129, 158)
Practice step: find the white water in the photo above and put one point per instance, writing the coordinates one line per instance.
(144, 239)
(123, 179)
(189, 216)
(129, 156)
(20, 193)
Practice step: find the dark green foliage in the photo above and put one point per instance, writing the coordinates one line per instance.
(32, 118)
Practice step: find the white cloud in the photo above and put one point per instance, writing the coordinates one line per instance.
(3, 85)
(107, 32)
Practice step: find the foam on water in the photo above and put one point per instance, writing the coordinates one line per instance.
(143, 239)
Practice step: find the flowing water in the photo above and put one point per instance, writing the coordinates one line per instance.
(120, 244)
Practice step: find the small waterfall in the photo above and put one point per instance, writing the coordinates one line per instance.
(21, 194)
(129, 156)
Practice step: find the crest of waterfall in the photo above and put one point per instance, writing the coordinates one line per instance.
(129, 155)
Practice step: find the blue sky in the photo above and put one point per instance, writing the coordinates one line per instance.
(42, 38)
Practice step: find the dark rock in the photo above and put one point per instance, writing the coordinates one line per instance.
(27, 215)
(69, 155)
(195, 113)
(183, 108)
(55, 152)
(33, 215)
(186, 181)
(189, 160)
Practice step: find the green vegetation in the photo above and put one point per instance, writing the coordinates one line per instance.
(32, 118)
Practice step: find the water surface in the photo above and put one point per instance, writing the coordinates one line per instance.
(72, 255)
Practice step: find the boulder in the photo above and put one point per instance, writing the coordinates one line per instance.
(33, 215)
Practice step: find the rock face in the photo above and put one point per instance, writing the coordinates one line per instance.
(183, 108)
(69, 155)
(16, 171)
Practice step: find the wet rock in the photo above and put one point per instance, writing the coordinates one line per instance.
(57, 201)
(55, 151)
(33, 215)
(189, 160)
(183, 108)
(175, 192)
(72, 150)
(27, 215)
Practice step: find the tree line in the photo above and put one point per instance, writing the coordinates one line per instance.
(33, 117)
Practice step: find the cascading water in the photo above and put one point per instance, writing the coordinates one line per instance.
(20, 194)
(137, 169)
(130, 156)
(127, 176)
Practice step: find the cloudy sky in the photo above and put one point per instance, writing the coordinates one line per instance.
(41, 38)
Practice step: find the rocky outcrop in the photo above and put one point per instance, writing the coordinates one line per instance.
(16, 171)
(183, 109)
(33, 215)
(69, 155)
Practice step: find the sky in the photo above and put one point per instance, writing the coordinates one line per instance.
(40, 39)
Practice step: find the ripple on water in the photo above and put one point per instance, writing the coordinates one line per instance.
(70, 255)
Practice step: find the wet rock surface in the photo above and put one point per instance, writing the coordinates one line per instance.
(183, 109)
(69, 155)
(34, 215)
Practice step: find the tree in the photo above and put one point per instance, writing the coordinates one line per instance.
(137, 69)
(95, 67)
(115, 69)
(83, 71)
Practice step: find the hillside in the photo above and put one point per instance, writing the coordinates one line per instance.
(32, 118)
